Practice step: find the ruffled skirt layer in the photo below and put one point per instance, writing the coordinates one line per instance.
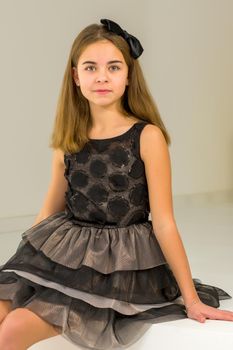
(102, 288)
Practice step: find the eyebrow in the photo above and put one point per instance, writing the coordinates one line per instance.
(109, 62)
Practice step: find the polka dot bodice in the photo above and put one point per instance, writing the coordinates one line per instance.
(107, 182)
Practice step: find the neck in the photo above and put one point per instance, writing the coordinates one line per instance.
(105, 118)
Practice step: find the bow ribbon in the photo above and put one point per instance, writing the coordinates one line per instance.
(134, 44)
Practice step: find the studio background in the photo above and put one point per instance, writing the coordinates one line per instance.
(188, 65)
(187, 62)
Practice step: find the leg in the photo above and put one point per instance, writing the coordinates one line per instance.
(5, 308)
(27, 328)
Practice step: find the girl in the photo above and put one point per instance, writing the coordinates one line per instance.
(93, 267)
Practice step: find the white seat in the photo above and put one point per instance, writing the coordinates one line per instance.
(181, 334)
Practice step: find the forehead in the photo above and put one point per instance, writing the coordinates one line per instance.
(101, 51)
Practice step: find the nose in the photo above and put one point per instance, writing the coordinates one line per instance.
(101, 79)
(102, 76)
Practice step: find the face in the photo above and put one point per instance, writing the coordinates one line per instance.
(101, 66)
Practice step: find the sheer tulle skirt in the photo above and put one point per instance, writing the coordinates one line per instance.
(101, 288)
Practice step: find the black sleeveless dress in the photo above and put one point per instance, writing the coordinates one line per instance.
(95, 270)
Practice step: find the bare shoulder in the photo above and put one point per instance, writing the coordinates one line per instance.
(151, 139)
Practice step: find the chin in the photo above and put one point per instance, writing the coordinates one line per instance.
(103, 102)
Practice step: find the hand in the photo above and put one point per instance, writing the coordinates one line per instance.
(200, 312)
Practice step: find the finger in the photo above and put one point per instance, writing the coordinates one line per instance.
(225, 315)
(225, 311)
(228, 312)
(219, 315)
(201, 319)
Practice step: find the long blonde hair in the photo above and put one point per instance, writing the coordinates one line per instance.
(73, 120)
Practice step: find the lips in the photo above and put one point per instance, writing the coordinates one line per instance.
(102, 90)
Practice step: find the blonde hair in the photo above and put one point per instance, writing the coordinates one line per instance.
(73, 120)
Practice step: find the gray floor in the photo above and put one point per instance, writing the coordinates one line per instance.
(205, 223)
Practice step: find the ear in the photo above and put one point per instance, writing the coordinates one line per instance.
(75, 75)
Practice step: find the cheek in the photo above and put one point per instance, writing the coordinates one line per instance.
(84, 76)
(122, 84)
(121, 80)
(86, 81)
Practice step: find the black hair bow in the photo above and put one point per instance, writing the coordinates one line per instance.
(134, 44)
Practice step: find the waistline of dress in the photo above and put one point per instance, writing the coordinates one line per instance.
(107, 225)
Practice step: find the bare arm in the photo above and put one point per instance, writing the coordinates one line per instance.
(158, 172)
(55, 197)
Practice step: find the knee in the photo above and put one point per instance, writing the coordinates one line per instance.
(11, 328)
(5, 308)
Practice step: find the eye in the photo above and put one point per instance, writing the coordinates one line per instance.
(91, 68)
(115, 67)
(87, 68)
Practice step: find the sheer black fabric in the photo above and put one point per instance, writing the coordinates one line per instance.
(107, 181)
(96, 270)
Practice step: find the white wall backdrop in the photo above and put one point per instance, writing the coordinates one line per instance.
(187, 62)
